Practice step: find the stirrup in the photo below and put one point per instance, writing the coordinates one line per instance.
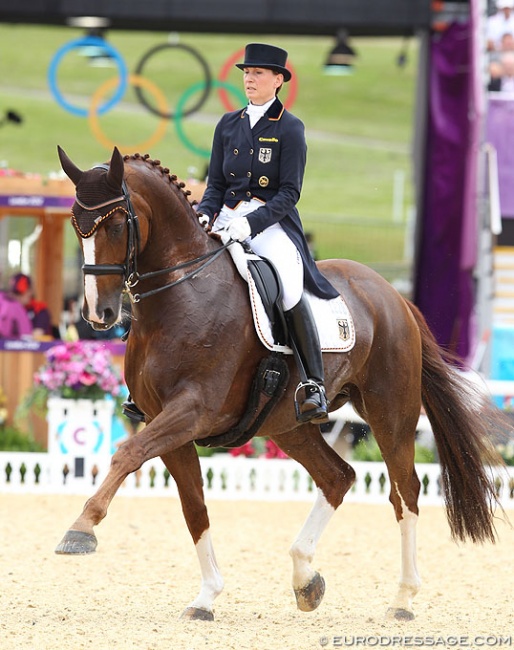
(131, 411)
(314, 407)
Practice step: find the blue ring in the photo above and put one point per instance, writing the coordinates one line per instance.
(84, 42)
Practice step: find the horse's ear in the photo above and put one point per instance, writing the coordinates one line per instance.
(116, 169)
(69, 168)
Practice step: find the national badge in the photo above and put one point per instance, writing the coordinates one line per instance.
(265, 154)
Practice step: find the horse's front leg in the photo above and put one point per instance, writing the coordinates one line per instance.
(333, 477)
(184, 465)
(156, 439)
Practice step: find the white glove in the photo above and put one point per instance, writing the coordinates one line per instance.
(204, 220)
(239, 229)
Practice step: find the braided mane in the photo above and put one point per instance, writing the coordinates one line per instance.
(178, 186)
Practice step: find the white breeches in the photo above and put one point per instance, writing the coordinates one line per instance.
(275, 245)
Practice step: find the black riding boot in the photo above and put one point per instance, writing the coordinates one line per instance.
(305, 342)
(132, 412)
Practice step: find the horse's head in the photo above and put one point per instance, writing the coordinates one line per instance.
(104, 223)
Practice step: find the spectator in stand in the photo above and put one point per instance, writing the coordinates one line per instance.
(20, 289)
(503, 78)
(14, 321)
(500, 23)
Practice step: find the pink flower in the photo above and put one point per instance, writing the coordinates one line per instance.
(274, 451)
(80, 369)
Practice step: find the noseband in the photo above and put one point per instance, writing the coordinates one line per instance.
(129, 269)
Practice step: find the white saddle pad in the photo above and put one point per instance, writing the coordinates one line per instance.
(333, 319)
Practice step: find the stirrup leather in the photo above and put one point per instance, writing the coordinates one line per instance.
(315, 400)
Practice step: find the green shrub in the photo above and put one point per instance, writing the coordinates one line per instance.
(12, 439)
(368, 450)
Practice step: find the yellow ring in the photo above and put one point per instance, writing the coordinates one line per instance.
(135, 80)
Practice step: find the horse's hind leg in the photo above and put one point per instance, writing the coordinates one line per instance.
(333, 478)
(184, 465)
(395, 432)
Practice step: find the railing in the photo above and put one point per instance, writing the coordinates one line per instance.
(224, 477)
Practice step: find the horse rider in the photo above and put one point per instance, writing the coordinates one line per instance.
(254, 182)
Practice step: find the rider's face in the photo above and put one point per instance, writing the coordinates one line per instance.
(260, 84)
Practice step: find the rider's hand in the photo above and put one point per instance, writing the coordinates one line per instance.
(239, 229)
(204, 220)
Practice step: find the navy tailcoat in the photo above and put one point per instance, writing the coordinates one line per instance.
(266, 163)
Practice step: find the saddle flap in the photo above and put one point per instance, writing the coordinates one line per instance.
(268, 284)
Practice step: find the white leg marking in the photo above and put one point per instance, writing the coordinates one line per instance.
(410, 581)
(90, 288)
(212, 580)
(303, 548)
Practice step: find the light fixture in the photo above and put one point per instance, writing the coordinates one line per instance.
(95, 27)
(341, 58)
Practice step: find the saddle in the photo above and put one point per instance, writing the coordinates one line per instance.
(269, 286)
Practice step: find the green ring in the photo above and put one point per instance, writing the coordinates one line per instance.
(179, 112)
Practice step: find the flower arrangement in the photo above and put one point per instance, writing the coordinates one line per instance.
(79, 370)
(259, 448)
(75, 370)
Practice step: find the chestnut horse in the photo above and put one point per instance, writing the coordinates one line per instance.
(192, 353)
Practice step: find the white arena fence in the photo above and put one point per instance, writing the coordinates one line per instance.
(224, 477)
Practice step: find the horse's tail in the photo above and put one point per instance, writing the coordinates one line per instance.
(462, 419)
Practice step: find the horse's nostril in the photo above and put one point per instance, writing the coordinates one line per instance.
(108, 315)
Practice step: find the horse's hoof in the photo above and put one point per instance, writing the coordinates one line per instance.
(310, 596)
(197, 614)
(400, 614)
(76, 542)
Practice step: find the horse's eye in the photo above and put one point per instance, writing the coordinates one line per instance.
(115, 229)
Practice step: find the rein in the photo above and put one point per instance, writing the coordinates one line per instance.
(135, 277)
(129, 269)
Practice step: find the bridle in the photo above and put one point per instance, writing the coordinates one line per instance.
(129, 270)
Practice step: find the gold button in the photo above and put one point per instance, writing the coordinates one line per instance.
(263, 181)
(232, 193)
(248, 194)
(249, 174)
(236, 151)
(251, 152)
(232, 174)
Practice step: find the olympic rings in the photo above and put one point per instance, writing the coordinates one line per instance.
(137, 81)
(205, 153)
(230, 62)
(203, 64)
(162, 108)
(84, 42)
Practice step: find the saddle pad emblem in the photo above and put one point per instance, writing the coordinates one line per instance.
(265, 154)
(344, 329)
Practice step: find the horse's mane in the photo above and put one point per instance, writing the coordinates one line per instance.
(178, 186)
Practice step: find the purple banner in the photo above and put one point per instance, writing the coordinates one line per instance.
(35, 201)
(116, 348)
(500, 134)
(446, 252)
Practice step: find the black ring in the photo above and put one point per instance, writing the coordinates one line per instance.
(206, 91)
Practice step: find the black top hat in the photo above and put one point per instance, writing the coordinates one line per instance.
(260, 55)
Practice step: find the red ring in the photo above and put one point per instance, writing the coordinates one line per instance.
(231, 61)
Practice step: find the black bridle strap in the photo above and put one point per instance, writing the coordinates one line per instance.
(211, 256)
(104, 269)
(129, 269)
